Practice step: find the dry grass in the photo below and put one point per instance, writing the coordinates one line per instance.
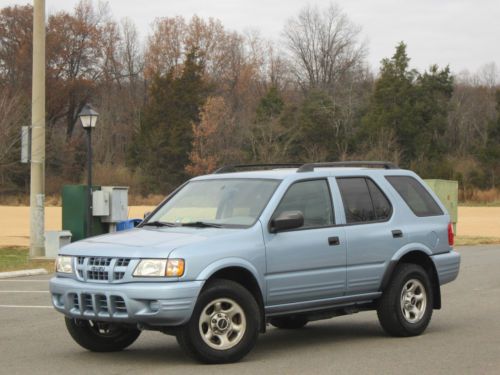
(15, 258)
(472, 240)
(477, 197)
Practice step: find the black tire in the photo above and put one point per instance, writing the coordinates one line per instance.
(189, 336)
(390, 306)
(289, 322)
(100, 336)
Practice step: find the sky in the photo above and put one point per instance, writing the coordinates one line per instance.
(461, 33)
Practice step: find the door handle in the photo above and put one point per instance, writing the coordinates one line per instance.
(333, 241)
(396, 233)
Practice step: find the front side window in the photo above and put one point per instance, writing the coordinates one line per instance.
(415, 195)
(363, 200)
(226, 202)
(313, 199)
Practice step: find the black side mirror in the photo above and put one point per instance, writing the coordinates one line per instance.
(286, 220)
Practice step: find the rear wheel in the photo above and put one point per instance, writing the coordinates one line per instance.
(405, 308)
(224, 326)
(101, 336)
(289, 322)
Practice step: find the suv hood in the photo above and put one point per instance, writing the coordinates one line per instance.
(141, 242)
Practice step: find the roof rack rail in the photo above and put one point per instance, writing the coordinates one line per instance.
(233, 168)
(309, 167)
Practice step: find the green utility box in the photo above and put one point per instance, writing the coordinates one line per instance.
(74, 212)
(447, 191)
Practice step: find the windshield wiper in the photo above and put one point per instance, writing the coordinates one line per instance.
(201, 224)
(159, 224)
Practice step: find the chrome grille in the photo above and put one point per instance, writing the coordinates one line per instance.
(101, 269)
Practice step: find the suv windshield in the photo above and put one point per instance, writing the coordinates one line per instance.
(226, 202)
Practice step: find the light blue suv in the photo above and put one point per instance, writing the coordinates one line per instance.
(227, 254)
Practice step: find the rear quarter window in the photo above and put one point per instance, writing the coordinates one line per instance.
(415, 195)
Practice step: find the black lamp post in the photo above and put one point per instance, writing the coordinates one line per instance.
(88, 117)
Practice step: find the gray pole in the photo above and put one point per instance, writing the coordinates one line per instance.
(37, 188)
(89, 182)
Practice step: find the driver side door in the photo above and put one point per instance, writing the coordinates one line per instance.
(307, 263)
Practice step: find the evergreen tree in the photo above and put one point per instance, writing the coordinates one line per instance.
(317, 126)
(490, 155)
(161, 149)
(412, 106)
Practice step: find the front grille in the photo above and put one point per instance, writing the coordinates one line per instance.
(99, 261)
(87, 302)
(119, 304)
(97, 275)
(98, 305)
(101, 269)
(122, 262)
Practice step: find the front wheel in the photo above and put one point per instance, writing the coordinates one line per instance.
(224, 326)
(405, 308)
(101, 336)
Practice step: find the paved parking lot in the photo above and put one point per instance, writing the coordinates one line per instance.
(463, 337)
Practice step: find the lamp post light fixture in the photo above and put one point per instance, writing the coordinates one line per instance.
(88, 117)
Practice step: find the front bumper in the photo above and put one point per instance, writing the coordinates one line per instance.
(447, 266)
(148, 303)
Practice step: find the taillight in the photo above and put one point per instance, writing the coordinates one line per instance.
(451, 235)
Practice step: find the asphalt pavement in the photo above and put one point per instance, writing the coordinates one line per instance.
(462, 338)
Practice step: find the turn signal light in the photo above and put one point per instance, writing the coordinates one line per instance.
(175, 268)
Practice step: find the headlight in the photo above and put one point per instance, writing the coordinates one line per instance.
(159, 268)
(64, 264)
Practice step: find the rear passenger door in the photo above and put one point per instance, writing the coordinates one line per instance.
(372, 234)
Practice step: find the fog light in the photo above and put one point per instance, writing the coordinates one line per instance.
(154, 306)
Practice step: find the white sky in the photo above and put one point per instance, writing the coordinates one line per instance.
(462, 33)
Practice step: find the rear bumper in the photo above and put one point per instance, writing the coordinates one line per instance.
(447, 266)
(153, 304)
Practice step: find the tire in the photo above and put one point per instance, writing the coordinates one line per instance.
(224, 325)
(101, 336)
(289, 322)
(405, 308)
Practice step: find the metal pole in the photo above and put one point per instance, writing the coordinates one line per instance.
(37, 183)
(89, 182)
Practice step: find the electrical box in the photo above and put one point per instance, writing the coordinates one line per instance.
(100, 203)
(54, 240)
(118, 204)
(447, 192)
(74, 212)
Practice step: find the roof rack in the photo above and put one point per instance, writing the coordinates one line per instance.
(233, 168)
(309, 167)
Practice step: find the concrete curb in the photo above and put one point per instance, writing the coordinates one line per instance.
(21, 273)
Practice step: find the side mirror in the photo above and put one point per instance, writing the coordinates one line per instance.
(146, 214)
(286, 220)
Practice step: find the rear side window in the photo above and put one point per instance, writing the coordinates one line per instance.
(363, 200)
(415, 195)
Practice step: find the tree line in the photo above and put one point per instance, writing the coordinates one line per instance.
(193, 96)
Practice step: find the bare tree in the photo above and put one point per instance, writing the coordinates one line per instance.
(14, 114)
(324, 45)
